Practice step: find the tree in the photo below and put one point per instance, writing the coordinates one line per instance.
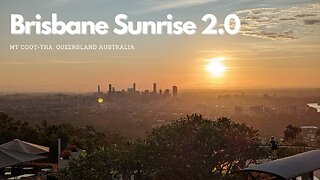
(11, 129)
(291, 133)
(121, 161)
(47, 135)
(317, 137)
(189, 148)
(198, 148)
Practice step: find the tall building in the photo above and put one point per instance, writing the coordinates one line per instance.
(110, 88)
(130, 91)
(134, 87)
(166, 92)
(99, 90)
(154, 88)
(174, 90)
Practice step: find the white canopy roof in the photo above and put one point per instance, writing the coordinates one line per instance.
(290, 167)
(25, 147)
(9, 157)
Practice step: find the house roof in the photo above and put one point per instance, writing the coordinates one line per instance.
(289, 167)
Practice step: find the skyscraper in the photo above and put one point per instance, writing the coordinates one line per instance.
(134, 87)
(110, 88)
(166, 92)
(174, 90)
(154, 88)
(99, 90)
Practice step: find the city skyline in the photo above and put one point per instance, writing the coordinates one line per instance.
(110, 89)
(277, 47)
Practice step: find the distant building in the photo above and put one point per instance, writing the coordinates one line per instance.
(132, 92)
(256, 109)
(174, 90)
(309, 134)
(99, 92)
(110, 88)
(166, 92)
(154, 88)
(266, 95)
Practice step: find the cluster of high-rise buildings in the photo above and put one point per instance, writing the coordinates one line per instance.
(133, 91)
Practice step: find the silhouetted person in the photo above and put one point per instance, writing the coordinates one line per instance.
(273, 144)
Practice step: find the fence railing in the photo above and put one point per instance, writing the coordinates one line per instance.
(297, 147)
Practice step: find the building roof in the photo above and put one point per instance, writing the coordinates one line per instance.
(9, 157)
(289, 167)
(309, 127)
(25, 147)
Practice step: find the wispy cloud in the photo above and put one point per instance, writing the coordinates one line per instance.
(45, 62)
(74, 61)
(298, 22)
(155, 5)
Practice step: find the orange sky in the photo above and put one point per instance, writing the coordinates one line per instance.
(276, 48)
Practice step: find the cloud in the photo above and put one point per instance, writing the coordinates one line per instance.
(74, 61)
(44, 62)
(311, 21)
(305, 15)
(155, 5)
(299, 22)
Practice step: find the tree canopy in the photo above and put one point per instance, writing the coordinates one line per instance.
(47, 135)
(190, 148)
(291, 134)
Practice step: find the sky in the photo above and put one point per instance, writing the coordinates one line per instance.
(277, 47)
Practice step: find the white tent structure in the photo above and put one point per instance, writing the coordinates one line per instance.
(9, 157)
(24, 147)
(303, 165)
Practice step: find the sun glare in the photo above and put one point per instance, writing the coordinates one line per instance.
(100, 100)
(215, 67)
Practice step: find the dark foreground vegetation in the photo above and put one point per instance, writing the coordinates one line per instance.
(47, 135)
(192, 147)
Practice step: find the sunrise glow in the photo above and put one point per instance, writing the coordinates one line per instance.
(216, 67)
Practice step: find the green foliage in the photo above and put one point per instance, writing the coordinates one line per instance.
(11, 129)
(194, 147)
(111, 162)
(291, 134)
(190, 148)
(317, 137)
(47, 135)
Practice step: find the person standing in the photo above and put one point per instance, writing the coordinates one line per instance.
(273, 144)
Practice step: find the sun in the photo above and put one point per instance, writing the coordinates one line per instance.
(215, 67)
